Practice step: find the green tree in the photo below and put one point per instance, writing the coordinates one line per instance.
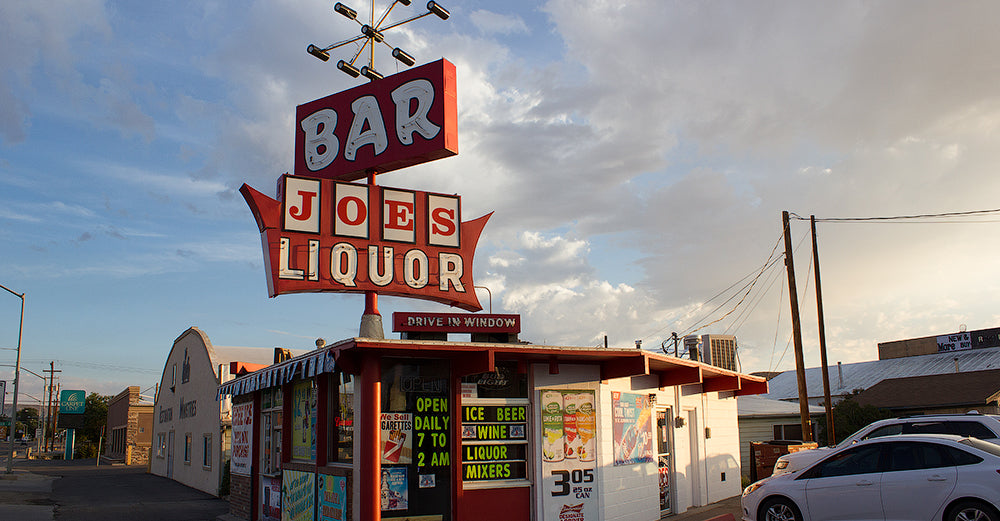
(848, 417)
(95, 417)
(27, 421)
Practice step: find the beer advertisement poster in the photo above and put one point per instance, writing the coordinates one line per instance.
(632, 428)
(569, 466)
(395, 495)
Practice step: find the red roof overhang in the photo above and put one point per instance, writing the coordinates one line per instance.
(472, 358)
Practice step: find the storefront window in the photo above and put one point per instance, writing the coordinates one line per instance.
(270, 454)
(494, 426)
(341, 412)
(415, 436)
(304, 420)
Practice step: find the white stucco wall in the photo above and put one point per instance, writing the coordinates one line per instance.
(631, 492)
(175, 399)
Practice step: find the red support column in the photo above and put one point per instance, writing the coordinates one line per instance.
(370, 460)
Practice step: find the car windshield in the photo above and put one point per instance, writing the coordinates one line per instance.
(851, 439)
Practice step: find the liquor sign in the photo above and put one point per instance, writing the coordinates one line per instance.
(399, 121)
(455, 323)
(494, 444)
(326, 236)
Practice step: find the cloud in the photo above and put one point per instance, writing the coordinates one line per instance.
(493, 23)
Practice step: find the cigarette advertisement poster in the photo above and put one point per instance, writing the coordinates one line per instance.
(632, 428)
(394, 489)
(298, 495)
(397, 438)
(270, 498)
(242, 450)
(332, 492)
(569, 466)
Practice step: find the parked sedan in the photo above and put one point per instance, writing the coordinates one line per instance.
(982, 426)
(894, 478)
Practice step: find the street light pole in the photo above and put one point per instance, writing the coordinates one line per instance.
(17, 379)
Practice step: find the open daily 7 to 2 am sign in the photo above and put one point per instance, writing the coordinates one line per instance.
(72, 402)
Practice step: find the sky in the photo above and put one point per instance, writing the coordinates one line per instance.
(637, 156)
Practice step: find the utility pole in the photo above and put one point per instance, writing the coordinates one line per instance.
(52, 425)
(793, 298)
(831, 438)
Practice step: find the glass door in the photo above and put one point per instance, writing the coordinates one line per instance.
(664, 428)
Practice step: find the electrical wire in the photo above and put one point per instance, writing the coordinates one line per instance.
(898, 217)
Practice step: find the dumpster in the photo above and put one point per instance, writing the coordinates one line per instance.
(763, 455)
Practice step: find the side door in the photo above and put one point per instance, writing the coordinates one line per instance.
(846, 485)
(170, 454)
(918, 478)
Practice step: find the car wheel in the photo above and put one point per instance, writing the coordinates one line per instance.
(779, 509)
(972, 511)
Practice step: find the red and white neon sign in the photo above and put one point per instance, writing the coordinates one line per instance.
(327, 236)
(399, 121)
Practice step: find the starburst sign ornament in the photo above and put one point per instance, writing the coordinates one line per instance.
(373, 33)
(327, 233)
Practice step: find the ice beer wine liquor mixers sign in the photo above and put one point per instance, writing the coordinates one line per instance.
(569, 424)
(325, 234)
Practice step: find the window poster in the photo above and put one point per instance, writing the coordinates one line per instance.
(304, 421)
(270, 498)
(632, 431)
(395, 495)
(417, 429)
(242, 446)
(332, 495)
(397, 437)
(569, 466)
(298, 495)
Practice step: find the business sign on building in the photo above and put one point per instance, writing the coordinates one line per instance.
(72, 402)
(326, 236)
(455, 323)
(399, 121)
(72, 405)
(955, 342)
(242, 445)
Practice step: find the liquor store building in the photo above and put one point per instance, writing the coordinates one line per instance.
(430, 430)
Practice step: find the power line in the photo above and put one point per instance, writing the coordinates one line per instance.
(899, 217)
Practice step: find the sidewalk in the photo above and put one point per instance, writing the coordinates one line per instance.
(26, 496)
(726, 506)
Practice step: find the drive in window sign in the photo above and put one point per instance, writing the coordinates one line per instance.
(72, 402)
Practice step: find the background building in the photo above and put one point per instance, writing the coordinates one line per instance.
(191, 423)
(129, 428)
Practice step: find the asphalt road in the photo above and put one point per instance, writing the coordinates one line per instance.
(82, 491)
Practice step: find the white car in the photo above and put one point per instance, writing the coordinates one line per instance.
(983, 426)
(908, 477)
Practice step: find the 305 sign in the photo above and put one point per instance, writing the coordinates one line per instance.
(573, 482)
